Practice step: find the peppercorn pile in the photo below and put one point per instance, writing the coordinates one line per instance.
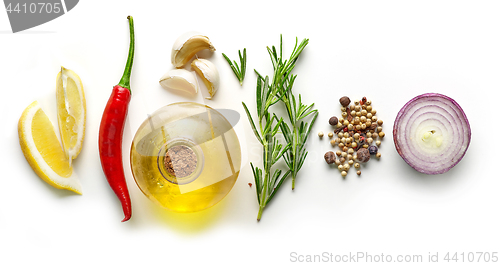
(359, 134)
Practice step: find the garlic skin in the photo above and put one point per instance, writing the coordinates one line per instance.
(180, 79)
(187, 45)
(208, 73)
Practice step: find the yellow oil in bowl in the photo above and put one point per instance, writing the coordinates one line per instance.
(186, 157)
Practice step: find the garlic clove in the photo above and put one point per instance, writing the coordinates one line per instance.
(180, 79)
(187, 45)
(208, 73)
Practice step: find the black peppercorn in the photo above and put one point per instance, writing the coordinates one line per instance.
(330, 157)
(363, 155)
(333, 121)
(345, 101)
(373, 150)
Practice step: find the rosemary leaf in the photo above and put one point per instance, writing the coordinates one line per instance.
(238, 71)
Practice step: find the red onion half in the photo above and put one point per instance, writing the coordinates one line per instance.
(431, 133)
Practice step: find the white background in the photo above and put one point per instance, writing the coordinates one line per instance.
(388, 51)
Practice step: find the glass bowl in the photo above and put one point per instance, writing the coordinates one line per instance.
(185, 157)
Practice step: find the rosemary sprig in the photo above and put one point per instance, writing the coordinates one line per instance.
(294, 153)
(239, 72)
(297, 131)
(266, 182)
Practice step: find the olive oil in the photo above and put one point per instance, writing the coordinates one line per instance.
(198, 131)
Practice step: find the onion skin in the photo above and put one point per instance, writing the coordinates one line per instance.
(431, 110)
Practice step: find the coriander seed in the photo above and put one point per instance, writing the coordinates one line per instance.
(356, 165)
(381, 134)
(320, 134)
(332, 142)
(344, 173)
(378, 142)
(378, 155)
(346, 167)
(330, 134)
(358, 172)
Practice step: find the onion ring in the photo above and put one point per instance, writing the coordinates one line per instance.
(431, 133)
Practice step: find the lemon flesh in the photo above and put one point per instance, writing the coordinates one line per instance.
(43, 151)
(71, 112)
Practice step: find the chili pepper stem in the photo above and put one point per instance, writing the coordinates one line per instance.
(125, 81)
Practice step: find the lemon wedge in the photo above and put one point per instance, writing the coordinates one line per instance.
(71, 112)
(43, 151)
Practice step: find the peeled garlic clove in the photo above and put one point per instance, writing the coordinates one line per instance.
(180, 79)
(187, 45)
(208, 74)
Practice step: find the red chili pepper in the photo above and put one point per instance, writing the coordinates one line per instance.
(111, 131)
